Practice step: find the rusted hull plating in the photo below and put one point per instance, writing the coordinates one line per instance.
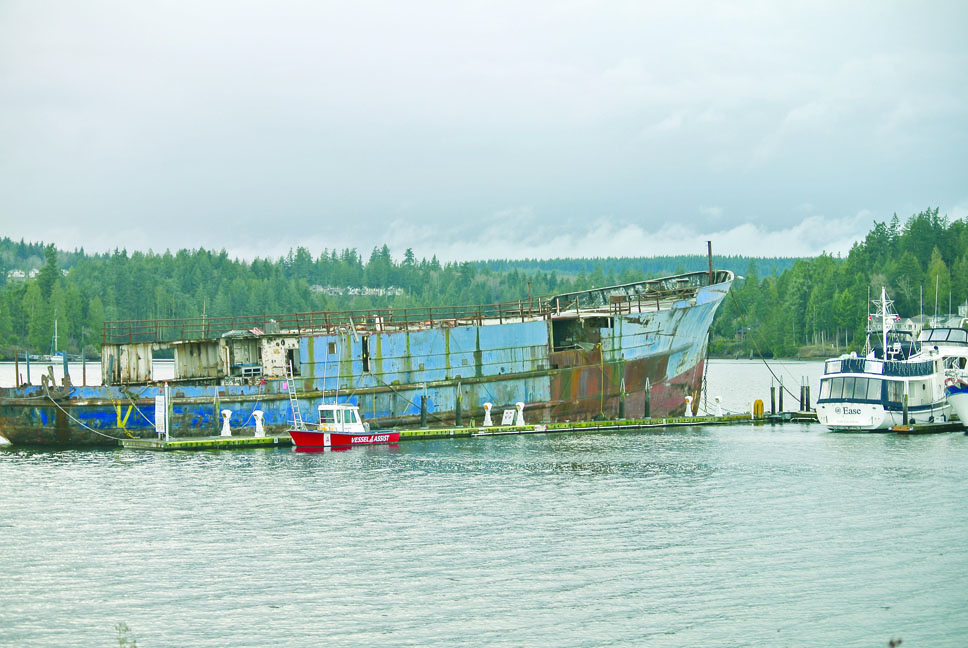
(571, 366)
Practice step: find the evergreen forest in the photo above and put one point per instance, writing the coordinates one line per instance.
(778, 306)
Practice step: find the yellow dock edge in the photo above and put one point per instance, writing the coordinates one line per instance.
(284, 440)
(927, 428)
(208, 443)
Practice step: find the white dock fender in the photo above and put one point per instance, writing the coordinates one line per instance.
(519, 418)
(226, 430)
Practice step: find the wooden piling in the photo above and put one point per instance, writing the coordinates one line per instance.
(621, 401)
(648, 399)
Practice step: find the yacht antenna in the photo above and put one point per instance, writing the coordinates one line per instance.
(884, 305)
(868, 350)
(937, 280)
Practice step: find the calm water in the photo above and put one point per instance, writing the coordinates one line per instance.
(716, 536)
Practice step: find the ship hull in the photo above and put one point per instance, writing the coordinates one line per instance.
(956, 393)
(592, 365)
(876, 417)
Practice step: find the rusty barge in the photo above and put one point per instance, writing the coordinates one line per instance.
(571, 357)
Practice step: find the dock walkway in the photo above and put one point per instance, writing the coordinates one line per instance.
(928, 428)
(284, 440)
(209, 443)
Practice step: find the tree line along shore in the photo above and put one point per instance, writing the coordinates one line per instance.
(778, 307)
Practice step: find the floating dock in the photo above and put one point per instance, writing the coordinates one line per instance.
(209, 443)
(284, 440)
(792, 417)
(928, 428)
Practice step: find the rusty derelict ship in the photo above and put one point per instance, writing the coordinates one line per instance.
(569, 357)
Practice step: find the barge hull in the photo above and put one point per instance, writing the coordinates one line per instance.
(574, 359)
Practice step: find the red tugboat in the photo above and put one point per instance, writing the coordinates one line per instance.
(340, 426)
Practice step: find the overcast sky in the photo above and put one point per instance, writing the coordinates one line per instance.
(479, 129)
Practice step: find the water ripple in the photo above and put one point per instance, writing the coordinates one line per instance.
(731, 536)
(735, 537)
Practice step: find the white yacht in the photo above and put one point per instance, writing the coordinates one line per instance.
(877, 391)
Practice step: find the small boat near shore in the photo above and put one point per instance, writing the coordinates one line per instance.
(339, 425)
(886, 387)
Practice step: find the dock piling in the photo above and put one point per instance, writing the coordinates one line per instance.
(459, 410)
(621, 401)
(648, 399)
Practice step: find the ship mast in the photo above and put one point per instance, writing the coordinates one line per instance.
(883, 314)
(884, 323)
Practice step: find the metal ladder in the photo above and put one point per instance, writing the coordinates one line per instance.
(297, 421)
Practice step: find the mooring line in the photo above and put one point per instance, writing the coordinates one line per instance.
(405, 399)
(136, 408)
(90, 429)
(757, 347)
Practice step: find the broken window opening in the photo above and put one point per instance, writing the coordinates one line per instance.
(292, 360)
(576, 333)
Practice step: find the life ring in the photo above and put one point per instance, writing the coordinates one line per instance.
(952, 382)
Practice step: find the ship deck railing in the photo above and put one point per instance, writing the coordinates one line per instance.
(643, 296)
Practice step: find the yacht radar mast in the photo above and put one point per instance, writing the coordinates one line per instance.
(885, 316)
